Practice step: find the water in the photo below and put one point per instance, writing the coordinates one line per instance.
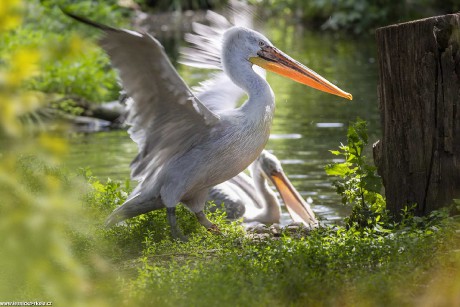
(307, 124)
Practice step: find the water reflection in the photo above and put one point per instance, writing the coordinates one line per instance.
(307, 124)
(329, 125)
(286, 136)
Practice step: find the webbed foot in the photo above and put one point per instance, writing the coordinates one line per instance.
(214, 229)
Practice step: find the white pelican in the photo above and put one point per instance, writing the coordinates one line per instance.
(252, 198)
(184, 147)
(242, 196)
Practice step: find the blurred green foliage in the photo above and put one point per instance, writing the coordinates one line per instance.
(70, 65)
(358, 16)
(44, 254)
(180, 5)
(44, 243)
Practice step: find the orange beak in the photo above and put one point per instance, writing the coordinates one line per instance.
(272, 59)
(299, 210)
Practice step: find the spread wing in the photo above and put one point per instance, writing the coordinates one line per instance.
(204, 51)
(166, 118)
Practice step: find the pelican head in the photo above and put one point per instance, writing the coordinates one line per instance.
(268, 164)
(271, 169)
(243, 42)
(250, 46)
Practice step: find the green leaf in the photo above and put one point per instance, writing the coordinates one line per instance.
(338, 169)
(372, 183)
(335, 152)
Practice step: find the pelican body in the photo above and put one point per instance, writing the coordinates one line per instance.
(184, 147)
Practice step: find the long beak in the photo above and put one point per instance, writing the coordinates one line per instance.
(299, 210)
(273, 59)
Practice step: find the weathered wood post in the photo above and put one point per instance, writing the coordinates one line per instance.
(419, 100)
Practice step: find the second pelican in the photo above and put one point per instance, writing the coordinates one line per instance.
(253, 200)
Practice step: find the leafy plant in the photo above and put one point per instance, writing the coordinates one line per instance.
(69, 65)
(357, 16)
(360, 184)
(68, 106)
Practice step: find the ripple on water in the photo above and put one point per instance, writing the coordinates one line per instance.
(329, 125)
(292, 161)
(288, 136)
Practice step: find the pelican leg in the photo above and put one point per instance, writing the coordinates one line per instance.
(210, 226)
(175, 230)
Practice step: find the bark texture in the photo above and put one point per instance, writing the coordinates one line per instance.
(419, 100)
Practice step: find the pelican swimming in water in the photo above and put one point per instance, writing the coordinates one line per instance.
(184, 147)
(252, 199)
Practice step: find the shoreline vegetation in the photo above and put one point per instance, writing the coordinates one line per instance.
(75, 83)
(54, 248)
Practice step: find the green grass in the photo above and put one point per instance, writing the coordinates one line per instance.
(376, 262)
(56, 249)
(331, 266)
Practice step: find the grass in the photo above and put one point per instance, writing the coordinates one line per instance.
(72, 260)
(332, 266)
(58, 250)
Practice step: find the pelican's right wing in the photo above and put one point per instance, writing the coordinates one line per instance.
(166, 118)
(204, 51)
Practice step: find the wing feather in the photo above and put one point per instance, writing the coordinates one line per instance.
(166, 118)
(204, 51)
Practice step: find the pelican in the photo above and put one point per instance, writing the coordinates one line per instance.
(242, 196)
(252, 198)
(184, 147)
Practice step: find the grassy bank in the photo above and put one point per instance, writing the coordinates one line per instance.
(56, 249)
(333, 265)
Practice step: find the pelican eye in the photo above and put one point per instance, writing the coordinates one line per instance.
(261, 44)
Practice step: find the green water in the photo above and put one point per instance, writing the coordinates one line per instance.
(307, 122)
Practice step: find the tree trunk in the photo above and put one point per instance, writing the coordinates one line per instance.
(419, 101)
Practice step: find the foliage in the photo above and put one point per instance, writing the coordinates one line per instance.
(138, 263)
(69, 64)
(331, 266)
(360, 184)
(180, 5)
(68, 106)
(46, 249)
(15, 67)
(87, 76)
(359, 16)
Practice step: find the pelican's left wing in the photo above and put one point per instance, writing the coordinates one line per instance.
(166, 118)
(204, 51)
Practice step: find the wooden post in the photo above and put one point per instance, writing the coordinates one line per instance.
(419, 101)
